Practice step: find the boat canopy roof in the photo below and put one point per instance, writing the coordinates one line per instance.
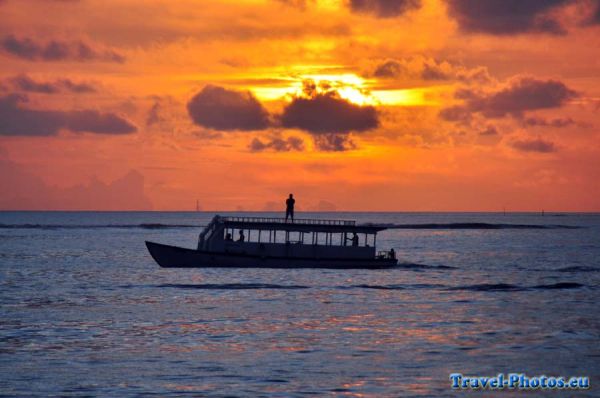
(299, 225)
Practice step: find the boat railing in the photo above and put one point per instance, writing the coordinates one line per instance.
(282, 220)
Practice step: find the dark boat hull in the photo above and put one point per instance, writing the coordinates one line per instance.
(177, 257)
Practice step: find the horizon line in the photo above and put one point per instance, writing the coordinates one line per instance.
(540, 212)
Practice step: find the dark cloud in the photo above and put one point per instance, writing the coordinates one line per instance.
(384, 8)
(57, 50)
(478, 74)
(560, 122)
(389, 68)
(27, 84)
(524, 94)
(430, 69)
(326, 113)
(536, 145)
(69, 85)
(506, 17)
(590, 12)
(443, 70)
(17, 120)
(334, 142)
(595, 18)
(456, 114)
(222, 109)
(319, 111)
(277, 144)
(95, 122)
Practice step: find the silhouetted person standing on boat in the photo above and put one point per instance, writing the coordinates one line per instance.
(242, 237)
(289, 207)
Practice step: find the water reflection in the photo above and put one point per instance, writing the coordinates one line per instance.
(88, 313)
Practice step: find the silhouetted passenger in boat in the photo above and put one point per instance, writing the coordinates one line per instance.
(353, 239)
(228, 237)
(392, 253)
(289, 207)
(242, 237)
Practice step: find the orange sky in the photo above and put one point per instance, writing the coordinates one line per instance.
(383, 105)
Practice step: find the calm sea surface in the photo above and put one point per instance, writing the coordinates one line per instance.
(85, 311)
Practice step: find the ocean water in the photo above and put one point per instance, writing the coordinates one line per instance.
(84, 310)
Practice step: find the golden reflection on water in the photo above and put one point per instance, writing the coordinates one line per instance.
(414, 323)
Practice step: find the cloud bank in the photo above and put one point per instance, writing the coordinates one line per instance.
(420, 67)
(24, 190)
(24, 83)
(536, 145)
(57, 50)
(506, 17)
(384, 8)
(521, 95)
(16, 120)
(277, 144)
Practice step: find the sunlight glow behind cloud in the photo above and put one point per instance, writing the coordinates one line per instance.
(411, 107)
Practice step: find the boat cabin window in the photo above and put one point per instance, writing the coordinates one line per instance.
(297, 237)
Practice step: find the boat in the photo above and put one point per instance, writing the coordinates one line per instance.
(263, 242)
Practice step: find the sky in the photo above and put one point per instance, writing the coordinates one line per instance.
(352, 105)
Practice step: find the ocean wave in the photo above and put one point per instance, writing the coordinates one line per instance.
(579, 268)
(378, 287)
(423, 266)
(506, 287)
(394, 287)
(230, 286)
(560, 285)
(484, 287)
(473, 225)
(489, 287)
(96, 226)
